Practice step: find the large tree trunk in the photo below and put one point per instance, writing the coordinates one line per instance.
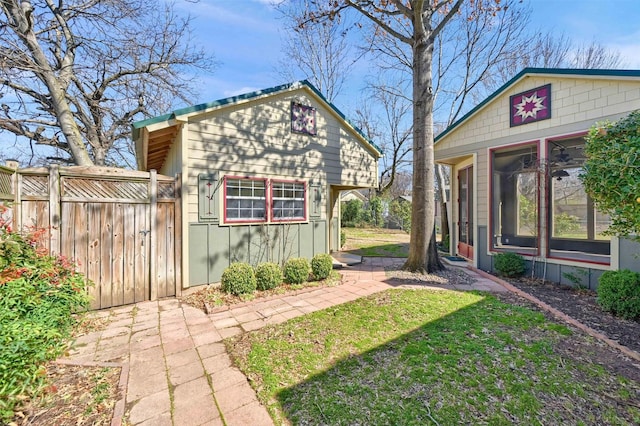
(423, 254)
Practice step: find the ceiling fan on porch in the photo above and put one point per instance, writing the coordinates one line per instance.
(565, 157)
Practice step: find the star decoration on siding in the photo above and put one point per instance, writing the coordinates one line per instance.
(530, 105)
(303, 119)
(533, 105)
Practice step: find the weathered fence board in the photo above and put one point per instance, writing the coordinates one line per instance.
(120, 227)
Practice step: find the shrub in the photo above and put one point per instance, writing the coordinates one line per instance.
(343, 238)
(268, 276)
(238, 279)
(38, 296)
(619, 293)
(296, 270)
(321, 266)
(509, 264)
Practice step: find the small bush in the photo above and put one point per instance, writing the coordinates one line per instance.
(321, 266)
(268, 276)
(619, 293)
(238, 279)
(343, 238)
(38, 296)
(296, 270)
(509, 264)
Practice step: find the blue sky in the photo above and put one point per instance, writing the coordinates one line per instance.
(245, 37)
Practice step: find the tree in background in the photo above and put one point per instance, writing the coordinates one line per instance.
(320, 52)
(611, 173)
(76, 74)
(351, 213)
(400, 215)
(391, 128)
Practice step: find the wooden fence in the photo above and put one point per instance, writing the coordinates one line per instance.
(122, 228)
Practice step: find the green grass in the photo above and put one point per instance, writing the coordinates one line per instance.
(377, 242)
(408, 357)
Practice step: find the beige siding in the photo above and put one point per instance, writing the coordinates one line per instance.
(576, 104)
(255, 139)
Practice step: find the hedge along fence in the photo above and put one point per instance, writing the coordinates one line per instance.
(121, 227)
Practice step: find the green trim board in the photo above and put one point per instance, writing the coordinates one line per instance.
(247, 96)
(557, 72)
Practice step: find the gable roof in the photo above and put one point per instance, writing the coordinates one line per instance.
(552, 72)
(166, 126)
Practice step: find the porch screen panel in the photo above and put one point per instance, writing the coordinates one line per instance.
(515, 189)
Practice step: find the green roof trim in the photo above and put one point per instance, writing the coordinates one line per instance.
(247, 96)
(534, 71)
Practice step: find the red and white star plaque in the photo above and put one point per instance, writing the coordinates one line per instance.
(530, 106)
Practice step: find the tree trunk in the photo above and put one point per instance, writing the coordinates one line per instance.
(423, 254)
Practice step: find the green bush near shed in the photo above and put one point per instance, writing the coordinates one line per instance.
(321, 266)
(619, 293)
(239, 278)
(296, 270)
(268, 275)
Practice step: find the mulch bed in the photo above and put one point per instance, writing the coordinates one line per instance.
(582, 306)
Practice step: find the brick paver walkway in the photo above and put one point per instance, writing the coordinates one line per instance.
(176, 369)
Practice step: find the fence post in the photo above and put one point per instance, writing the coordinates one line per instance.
(177, 233)
(153, 212)
(16, 184)
(54, 210)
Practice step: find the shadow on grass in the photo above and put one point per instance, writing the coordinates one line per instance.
(487, 362)
(382, 250)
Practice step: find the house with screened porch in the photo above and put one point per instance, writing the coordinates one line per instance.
(261, 175)
(515, 161)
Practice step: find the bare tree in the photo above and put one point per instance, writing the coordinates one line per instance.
(390, 126)
(76, 73)
(551, 50)
(321, 53)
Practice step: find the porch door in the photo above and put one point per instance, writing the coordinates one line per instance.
(465, 212)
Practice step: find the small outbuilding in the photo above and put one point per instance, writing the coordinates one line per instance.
(515, 161)
(261, 175)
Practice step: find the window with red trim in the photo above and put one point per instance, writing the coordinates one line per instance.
(287, 200)
(245, 200)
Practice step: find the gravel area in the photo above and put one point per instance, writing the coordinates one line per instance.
(448, 276)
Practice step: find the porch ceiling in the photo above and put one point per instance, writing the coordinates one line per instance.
(451, 161)
(160, 142)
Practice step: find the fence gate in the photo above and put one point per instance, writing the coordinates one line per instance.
(120, 227)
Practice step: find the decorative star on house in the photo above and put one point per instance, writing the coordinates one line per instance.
(530, 106)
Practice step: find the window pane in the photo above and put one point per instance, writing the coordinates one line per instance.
(245, 199)
(570, 210)
(288, 200)
(527, 187)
